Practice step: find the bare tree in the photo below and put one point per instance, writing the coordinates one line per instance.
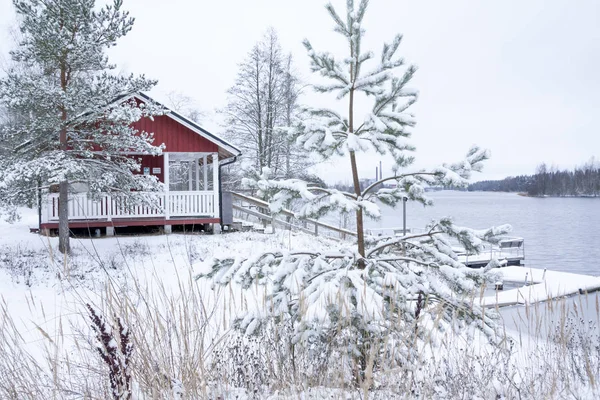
(184, 105)
(262, 101)
(295, 159)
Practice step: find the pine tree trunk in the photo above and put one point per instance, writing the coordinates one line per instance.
(360, 233)
(64, 245)
(63, 218)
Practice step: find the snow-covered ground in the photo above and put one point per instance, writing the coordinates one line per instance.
(33, 273)
(149, 279)
(45, 294)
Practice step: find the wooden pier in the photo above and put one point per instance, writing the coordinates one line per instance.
(510, 250)
(533, 285)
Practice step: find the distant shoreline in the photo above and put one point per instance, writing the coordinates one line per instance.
(578, 196)
(522, 194)
(525, 194)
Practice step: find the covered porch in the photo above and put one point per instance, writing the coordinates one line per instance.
(191, 196)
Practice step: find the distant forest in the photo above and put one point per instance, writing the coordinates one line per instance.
(549, 181)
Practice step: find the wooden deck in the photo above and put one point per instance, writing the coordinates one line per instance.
(510, 251)
(132, 222)
(167, 209)
(481, 260)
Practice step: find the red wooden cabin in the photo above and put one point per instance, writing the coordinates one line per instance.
(188, 167)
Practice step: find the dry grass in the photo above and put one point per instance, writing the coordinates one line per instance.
(184, 348)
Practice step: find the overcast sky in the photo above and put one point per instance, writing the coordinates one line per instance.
(518, 77)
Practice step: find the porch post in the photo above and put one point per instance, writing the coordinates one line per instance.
(196, 162)
(48, 207)
(217, 214)
(205, 165)
(190, 178)
(166, 171)
(166, 192)
(44, 207)
(45, 211)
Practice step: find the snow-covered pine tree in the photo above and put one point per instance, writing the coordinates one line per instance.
(384, 297)
(74, 120)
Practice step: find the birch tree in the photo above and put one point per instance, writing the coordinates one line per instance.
(77, 120)
(262, 101)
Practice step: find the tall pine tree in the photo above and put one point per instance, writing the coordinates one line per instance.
(75, 122)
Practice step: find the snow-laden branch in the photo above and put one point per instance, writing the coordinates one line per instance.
(316, 201)
(396, 178)
(317, 292)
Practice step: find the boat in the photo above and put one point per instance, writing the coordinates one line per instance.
(509, 251)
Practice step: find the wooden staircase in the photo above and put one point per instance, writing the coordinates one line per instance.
(250, 213)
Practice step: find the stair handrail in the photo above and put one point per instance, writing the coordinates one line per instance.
(285, 212)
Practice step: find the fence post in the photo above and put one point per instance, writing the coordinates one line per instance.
(272, 223)
(166, 183)
(215, 171)
(109, 207)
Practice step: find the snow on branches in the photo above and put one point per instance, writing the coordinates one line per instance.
(317, 201)
(99, 140)
(385, 129)
(323, 295)
(385, 294)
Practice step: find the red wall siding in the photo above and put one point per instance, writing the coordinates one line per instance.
(153, 162)
(175, 136)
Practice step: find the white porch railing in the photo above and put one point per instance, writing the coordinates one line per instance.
(178, 204)
(185, 204)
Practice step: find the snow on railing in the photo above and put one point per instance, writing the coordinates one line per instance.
(252, 209)
(179, 204)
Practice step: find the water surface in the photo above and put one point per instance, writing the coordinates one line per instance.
(560, 233)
